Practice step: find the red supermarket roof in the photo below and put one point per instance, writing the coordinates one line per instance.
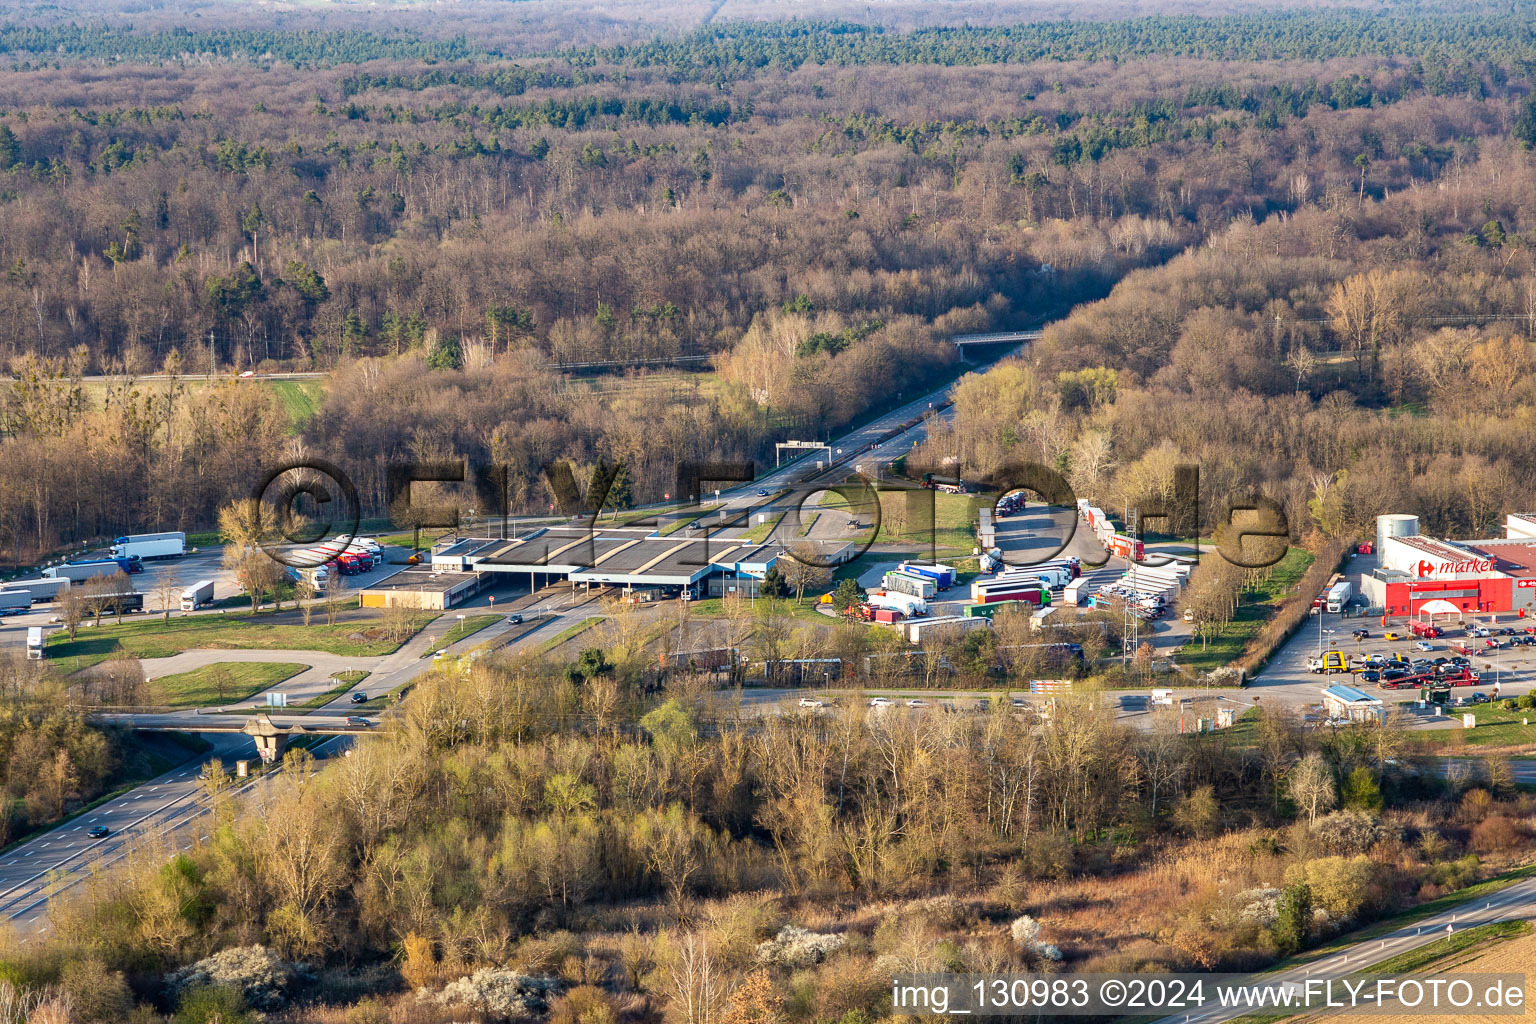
(1515, 557)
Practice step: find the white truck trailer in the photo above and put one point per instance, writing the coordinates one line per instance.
(15, 600)
(41, 588)
(79, 572)
(150, 545)
(1339, 594)
(956, 623)
(910, 583)
(197, 595)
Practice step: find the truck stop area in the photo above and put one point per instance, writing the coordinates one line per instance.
(699, 564)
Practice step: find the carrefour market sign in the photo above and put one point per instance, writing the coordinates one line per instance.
(1431, 569)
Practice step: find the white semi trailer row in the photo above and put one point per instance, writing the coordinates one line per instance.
(150, 545)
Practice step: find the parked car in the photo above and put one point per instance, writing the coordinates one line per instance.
(1370, 676)
(812, 702)
(917, 702)
(1477, 698)
(880, 702)
(100, 832)
(1423, 645)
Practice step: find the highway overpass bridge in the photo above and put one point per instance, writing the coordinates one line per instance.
(995, 338)
(271, 734)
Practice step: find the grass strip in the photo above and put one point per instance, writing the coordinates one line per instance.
(468, 626)
(222, 682)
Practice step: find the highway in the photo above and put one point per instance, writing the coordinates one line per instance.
(162, 812)
(1516, 902)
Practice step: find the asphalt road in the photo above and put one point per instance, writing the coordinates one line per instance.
(1516, 902)
(163, 811)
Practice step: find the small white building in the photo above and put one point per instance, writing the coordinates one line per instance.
(1354, 704)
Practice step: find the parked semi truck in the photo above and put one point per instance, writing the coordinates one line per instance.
(15, 600)
(79, 572)
(197, 595)
(124, 603)
(1338, 595)
(41, 588)
(150, 545)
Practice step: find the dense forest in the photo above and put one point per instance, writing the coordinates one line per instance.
(434, 235)
(1293, 246)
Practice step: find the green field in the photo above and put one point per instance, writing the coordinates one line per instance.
(954, 518)
(457, 630)
(156, 639)
(1495, 727)
(300, 399)
(1254, 609)
(714, 608)
(223, 682)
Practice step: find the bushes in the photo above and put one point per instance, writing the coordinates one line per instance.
(1293, 918)
(256, 974)
(502, 995)
(1351, 832)
(213, 1004)
(794, 948)
(1340, 886)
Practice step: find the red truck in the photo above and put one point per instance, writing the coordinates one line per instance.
(1424, 630)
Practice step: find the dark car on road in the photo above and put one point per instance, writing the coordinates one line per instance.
(357, 720)
(1362, 634)
(761, 493)
(100, 832)
(359, 697)
(515, 619)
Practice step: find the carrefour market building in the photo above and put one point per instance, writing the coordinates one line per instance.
(1479, 576)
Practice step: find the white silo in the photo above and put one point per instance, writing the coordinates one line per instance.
(1395, 524)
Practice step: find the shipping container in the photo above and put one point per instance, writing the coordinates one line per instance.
(887, 615)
